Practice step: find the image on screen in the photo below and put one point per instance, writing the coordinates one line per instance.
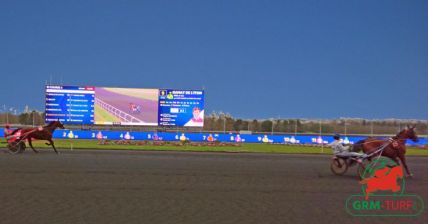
(126, 106)
(181, 108)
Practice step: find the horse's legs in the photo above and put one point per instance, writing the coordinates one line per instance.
(395, 160)
(403, 161)
(52, 144)
(31, 145)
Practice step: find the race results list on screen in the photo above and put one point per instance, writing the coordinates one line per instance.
(70, 104)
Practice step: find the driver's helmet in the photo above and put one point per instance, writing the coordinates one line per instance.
(7, 126)
(336, 136)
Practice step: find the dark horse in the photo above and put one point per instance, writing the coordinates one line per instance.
(42, 133)
(395, 147)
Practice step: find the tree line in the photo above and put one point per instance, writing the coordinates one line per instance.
(223, 122)
(29, 118)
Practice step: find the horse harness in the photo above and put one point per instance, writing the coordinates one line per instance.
(20, 135)
(396, 144)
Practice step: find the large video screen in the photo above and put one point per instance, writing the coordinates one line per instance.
(181, 108)
(124, 106)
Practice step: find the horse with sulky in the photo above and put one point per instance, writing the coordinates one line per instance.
(40, 133)
(393, 148)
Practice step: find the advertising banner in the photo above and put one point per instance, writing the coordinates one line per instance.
(211, 137)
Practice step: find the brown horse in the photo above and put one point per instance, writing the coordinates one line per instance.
(395, 147)
(42, 133)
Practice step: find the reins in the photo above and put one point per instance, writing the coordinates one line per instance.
(379, 150)
(382, 147)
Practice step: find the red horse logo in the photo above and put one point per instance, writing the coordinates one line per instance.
(383, 179)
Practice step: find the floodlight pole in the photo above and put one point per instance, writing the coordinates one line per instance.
(272, 127)
(322, 143)
(288, 125)
(224, 124)
(7, 114)
(345, 128)
(33, 117)
(2, 111)
(295, 128)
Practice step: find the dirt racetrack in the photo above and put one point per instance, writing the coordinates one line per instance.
(182, 187)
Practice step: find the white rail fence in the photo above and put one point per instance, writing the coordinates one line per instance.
(123, 116)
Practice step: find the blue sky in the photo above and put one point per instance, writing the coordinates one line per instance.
(256, 59)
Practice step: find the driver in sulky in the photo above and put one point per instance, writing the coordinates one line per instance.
(340, 150)
(7, 132)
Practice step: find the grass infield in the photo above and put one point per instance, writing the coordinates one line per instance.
(256, 148)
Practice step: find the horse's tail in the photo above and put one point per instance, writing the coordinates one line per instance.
(358, 146)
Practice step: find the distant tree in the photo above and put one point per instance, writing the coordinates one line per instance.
(266, 126)
(39, 118)
(327, 128)
(255, 126)
(237, 125)
(209, 123)
(24, 118)
(245, 125)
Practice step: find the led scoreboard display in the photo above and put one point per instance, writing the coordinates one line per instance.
(70, 104)
(181, 108)
(124, 106)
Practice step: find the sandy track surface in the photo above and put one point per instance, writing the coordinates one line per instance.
(181, 187)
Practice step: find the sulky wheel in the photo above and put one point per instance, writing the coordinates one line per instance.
(16, 147)
(338, 166)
